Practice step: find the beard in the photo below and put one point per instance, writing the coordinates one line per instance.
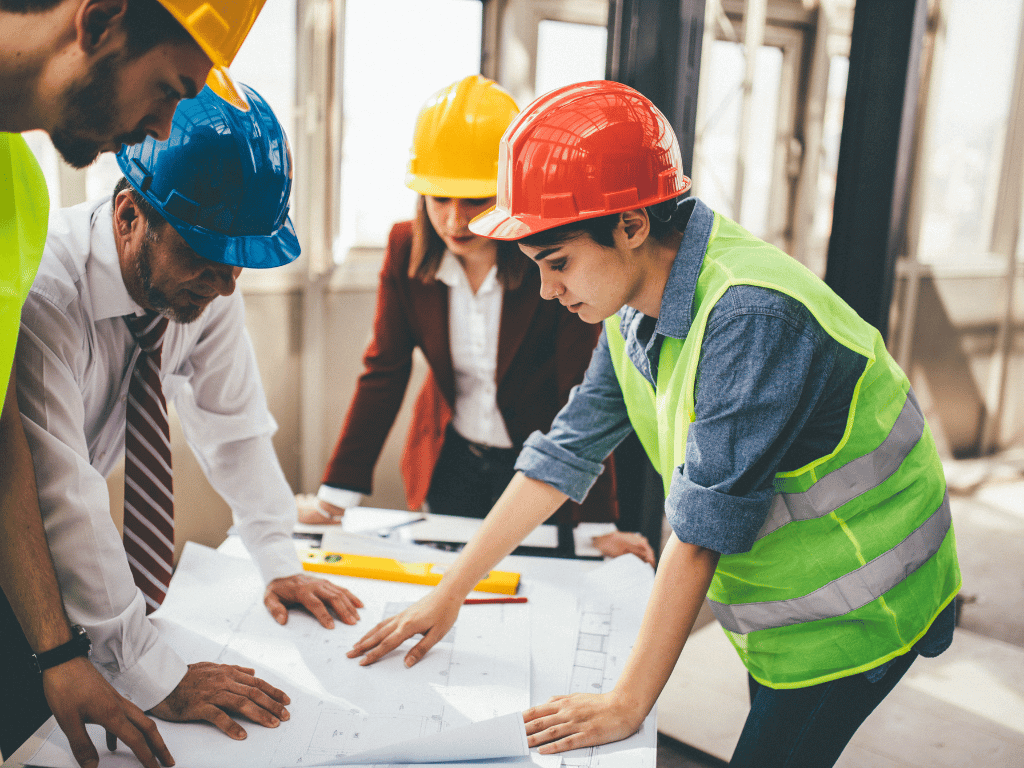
(91, 112)
(155, 298)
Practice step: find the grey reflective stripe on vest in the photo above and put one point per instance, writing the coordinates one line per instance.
(851, 480)
(847, 593)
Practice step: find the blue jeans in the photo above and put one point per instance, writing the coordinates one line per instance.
(810, 727)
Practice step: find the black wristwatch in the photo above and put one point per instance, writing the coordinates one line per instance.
(78, 645)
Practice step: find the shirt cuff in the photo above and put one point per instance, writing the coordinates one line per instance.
(277, 560)
(339, 497)
(714, 520)
(152, 678)
(543, 459)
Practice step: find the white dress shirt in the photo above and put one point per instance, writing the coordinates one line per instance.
(474, 320)
(75, 357)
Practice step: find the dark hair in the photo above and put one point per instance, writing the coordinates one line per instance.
(428, 250)
(664, 217)
(147, 23)
(154, 221)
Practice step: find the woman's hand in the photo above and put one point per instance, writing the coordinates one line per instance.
(620, 542)
(312, 511)
(581, 720)
(432, 616)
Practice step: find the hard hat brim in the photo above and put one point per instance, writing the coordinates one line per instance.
(498, 224)
(439, 186)
(220, 82)
(246, 251)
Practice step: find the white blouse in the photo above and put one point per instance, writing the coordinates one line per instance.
(474, 321)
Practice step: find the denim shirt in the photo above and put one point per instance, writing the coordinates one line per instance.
(773, 393)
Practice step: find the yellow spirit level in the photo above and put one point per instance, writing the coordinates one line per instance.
(387, 569)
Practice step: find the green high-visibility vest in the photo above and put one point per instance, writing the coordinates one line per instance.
(24, 207)
(857, 556)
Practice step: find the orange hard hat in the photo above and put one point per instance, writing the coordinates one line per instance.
(219, 27)
(579, 152)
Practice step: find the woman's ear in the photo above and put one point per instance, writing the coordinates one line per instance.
(635, 227)
(97, 24)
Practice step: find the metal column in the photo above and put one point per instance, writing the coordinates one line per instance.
(875, 151)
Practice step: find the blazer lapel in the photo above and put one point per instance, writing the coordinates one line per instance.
(517, 309)
(436, 336)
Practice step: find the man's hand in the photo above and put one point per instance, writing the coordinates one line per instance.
(621, 542)
(312, 511)
(211, 691)
(313, 594)
(78, 694)
(432, 616)
(580, 720)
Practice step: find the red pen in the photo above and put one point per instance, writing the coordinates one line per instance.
(488, 600)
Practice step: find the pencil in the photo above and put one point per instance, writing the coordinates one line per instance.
(487, 600)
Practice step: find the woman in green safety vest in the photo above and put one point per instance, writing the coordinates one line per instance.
(802, 482)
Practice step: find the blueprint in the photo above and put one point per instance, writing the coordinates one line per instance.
(612, 605)
(479, 672)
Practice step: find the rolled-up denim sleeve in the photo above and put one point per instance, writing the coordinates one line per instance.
(588, 428)
(761, 373)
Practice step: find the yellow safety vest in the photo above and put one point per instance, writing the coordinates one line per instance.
(857, 556)
(24, 208)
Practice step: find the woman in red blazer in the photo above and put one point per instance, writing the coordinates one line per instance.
(502, 361)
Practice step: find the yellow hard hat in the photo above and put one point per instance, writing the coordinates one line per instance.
(219, 27)
(455, 145)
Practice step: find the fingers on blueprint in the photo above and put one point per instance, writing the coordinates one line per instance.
(431, 617)
(580, 720)
(214, 692)
(314, 594)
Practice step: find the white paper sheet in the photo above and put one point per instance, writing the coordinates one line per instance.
(615, 597)
(500, 737)
(451, 528)
(479, 671)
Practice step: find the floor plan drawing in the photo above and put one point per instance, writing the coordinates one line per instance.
(609, 615)
(479, 673)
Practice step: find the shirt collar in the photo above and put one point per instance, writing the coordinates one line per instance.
(676, 312)
(451, 273)
(109, 295)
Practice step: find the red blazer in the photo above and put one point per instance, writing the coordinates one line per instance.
(543, 351)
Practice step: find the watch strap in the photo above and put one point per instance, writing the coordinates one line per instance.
(78, 645)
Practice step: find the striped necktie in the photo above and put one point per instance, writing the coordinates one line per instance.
(148, 489)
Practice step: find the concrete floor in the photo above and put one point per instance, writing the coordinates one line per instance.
(965, 707)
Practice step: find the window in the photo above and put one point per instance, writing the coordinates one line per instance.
(966, 133)
(569, 53)
(715, 166)
(396, 55)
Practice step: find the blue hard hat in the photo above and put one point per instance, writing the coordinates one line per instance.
(222, 180)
